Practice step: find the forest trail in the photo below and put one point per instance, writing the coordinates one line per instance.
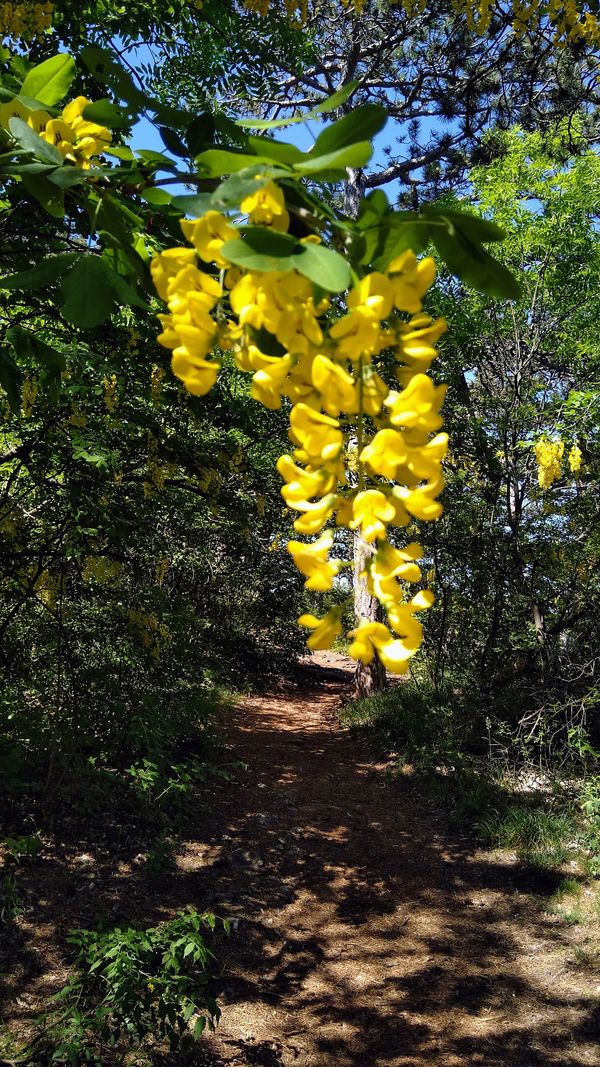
(367, 935)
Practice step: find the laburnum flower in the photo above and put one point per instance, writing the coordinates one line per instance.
(371, 511)
(417, 407)
(300, 484)
(82, 139)
(421, 503)
(416, 345)
(208, 235)
(268, 382)
(374, 295)
(370, 638)
(315, 513)
(167, 265)
(336, 387)
(76, 138)
(358, 335)
(312, 560)
(385, 453)
(575, 457)
(266, 207)
(325, 630)
(319, 436)
(278, 331)
(198, 374)
(387, 566)
(410, 280)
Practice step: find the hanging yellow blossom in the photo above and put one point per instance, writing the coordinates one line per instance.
(329, 366)
(549, 456)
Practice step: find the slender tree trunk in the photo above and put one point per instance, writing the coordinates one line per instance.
(369, 677)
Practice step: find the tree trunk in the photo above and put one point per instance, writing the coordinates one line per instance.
(369, 677)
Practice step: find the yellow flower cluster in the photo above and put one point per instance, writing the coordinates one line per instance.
(77, 139)
(549, 456)
(111, 396)
(47, 589)
(152, 632)
(328, 368)
(575, 458)
(25, 22)
(570, 20)
(100, 569)
(29, 394)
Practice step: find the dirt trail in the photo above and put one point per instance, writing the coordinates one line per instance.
(367, 936)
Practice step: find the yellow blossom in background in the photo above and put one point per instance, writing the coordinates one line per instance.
(111, 397)
(549, 456)
(26, 22)
(29, 393)
(575, 457)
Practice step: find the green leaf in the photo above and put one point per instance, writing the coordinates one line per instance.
(66, 177)
(89, 296)
(395, 237)
(329, 104)
(323, 266)
(199, 1027)
(120, 152)
(372, 209)
(26, 343)
(46, 193)
(360, 125)
(152, 195)
(173, 142)
(474, 265)
(29, 140)
(105, 113)
(11, 379)
(279, 151)
(262, 250)
(473, 226)
(47, 272)
(157, 160)
(49, 82)
(200, 132)
(194, 204)
(354, 155)
(107, 71)
(216, 162)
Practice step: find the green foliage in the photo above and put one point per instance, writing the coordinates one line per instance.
(131, 984)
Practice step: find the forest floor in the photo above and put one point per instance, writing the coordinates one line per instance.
(367, 933)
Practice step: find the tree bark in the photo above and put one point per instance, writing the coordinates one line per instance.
(368, 677)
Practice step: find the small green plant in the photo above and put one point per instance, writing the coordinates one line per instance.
(25, 847)
(17, 850)
(161, 854)
(130, 984)
(11, 905)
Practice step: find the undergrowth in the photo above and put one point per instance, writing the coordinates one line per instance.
(483, 781)
(128, 985)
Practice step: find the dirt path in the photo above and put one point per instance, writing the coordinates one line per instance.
(366, 936)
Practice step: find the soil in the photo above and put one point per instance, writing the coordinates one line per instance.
(365, 933)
